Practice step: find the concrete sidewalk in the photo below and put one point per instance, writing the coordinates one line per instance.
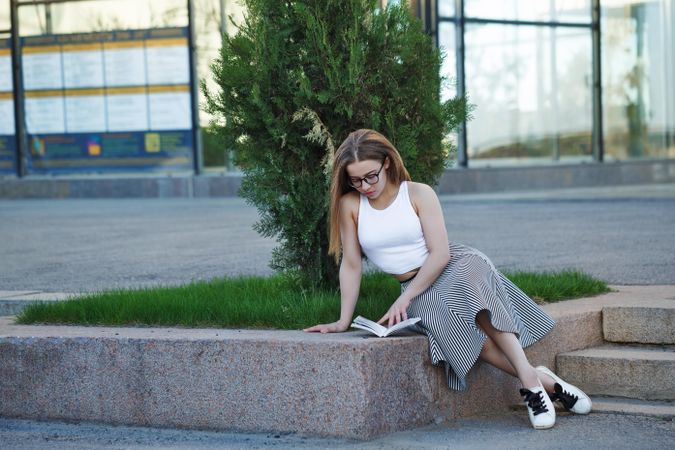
(508, 431)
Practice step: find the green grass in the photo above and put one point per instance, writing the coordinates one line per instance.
(548, 287)
(261, 302)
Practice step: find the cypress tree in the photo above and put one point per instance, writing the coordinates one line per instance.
(295, 80)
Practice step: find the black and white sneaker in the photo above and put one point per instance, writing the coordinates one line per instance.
(539, 407)
(571, 397)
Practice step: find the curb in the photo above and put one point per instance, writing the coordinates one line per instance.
(264, 380)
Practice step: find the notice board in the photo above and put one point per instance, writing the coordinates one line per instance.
(109, 101)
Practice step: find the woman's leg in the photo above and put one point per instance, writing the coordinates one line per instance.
(539, 405)
(494, 356)
(508, 345)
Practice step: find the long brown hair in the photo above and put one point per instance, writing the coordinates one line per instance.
(360, 145)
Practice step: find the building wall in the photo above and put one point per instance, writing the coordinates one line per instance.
(531, 82)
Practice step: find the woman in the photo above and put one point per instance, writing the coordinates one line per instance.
(468, 309)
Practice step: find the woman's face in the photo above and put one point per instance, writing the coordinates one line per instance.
(360, 174)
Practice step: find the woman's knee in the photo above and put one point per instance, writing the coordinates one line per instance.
(488, 347)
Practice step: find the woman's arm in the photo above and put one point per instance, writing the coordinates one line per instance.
(428, 208)
(350, 267)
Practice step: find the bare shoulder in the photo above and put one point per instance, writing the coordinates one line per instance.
(421, 193)
(349, 203)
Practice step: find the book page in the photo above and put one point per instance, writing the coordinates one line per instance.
(401, 325)
(365, 328)
(370, 325)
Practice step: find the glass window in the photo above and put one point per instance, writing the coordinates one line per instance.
(5, 70)
(446, 42)
(532, 91)
(638, 79)
(533, 10)
(446, 8)
(82, 17)
(4, 15)
(7, 151)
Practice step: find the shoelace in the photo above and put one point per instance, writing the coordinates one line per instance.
(567, 399)
(534, 401)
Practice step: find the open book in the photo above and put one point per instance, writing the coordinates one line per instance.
(368, 325)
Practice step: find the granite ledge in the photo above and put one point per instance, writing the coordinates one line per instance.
(262, 380)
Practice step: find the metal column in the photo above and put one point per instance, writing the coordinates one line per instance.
(462, 152)
(194, 91)
(17, 86)
(598, 135)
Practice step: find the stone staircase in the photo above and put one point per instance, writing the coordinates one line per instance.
(633, 371)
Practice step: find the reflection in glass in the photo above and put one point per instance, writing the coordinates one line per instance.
(532, 91)
(532, 10)
(4, 15)
(446, 42)
(446, 8)
(638, 79)
(211, 19)
(103, 15)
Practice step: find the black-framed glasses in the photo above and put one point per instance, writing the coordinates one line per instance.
(371, 179)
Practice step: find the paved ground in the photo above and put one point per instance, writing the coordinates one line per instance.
(511, 431)
(623, 235)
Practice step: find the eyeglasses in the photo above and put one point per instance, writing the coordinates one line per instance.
(371, 179)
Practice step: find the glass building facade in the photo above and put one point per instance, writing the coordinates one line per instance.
(551, 81)
(560, 81)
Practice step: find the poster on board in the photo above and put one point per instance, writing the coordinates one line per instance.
(7, 131)
(109, 101)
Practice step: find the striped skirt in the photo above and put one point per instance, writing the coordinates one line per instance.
(470, 283)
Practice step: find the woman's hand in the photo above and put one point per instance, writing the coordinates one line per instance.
(335, 327)
(397, 312)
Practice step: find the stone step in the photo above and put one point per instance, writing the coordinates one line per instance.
(644, 372)
(650, 323)
(618, 405)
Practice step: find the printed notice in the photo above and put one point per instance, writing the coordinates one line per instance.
(6, 116)
(124, 66)
(82, 69)
(5, 72)
(170, 111)
(109, 100)
(168, 65)
(42, 70)
(45, 115)
(127, 112)
(85, 113)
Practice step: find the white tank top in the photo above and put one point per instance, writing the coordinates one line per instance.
(392, 238)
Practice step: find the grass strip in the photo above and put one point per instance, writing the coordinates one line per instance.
(550, 287)
(262, 302)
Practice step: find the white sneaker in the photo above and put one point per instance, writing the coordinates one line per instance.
(539, 407)
(572, 398)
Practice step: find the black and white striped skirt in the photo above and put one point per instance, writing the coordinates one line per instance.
(470, 283)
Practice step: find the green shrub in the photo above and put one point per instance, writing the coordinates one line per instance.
(295, 80)
(215, 154)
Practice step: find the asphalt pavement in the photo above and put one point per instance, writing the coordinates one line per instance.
(623, 235)
(508, 431)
